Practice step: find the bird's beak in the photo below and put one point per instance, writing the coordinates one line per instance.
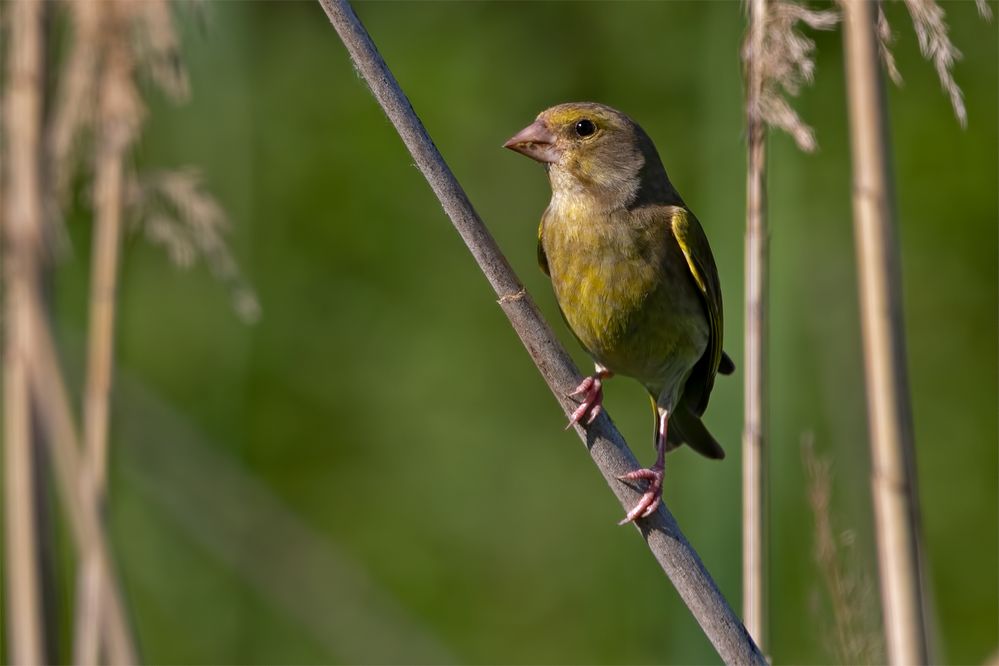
(536, 141)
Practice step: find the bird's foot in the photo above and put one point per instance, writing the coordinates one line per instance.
(649, 502)
(592, 393)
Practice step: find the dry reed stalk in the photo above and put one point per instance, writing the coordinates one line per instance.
(22, 225)
(97, 100)
(754, 434)
(76, 494)
(118, 116)
(607, 449)
(778, 60)
(119, 113)
(889, 411)
(99, 107)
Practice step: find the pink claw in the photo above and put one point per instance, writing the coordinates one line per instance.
(591, 390)
(649, 502)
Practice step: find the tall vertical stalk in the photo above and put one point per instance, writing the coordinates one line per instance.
(754, 434)
(22, 108)
(889, 412)
(113, 137)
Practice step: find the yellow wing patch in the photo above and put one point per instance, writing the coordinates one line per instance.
(694, 244)
(681, 230)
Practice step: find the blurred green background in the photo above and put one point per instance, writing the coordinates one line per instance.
(375, 473)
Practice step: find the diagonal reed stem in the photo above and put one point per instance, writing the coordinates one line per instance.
(75, 488)
(606, 446)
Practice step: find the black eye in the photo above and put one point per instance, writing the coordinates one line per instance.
(585, 127)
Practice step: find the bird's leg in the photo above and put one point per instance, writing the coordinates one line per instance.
(592, 393)
(649, 502)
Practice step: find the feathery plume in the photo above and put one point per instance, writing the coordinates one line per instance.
(886, 38)
(933, 35)
(935, 45)
(787, 61)
(850, 590)
(172, 209)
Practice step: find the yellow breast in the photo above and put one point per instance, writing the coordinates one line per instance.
(623, 292)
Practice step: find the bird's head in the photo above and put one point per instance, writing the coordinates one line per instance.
(592, 149)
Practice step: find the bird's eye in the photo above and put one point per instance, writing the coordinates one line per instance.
(585, 127)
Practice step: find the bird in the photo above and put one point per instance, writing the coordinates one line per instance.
(633, 275)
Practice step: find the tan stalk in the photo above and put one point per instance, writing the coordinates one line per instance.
(889, 411)
(754, 434)
(75, 492)
(22, 224)
(116, 115)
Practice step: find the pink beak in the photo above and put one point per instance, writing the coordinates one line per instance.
(537, 142)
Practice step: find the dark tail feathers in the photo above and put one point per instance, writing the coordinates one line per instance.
(727, 365)
(685, 428)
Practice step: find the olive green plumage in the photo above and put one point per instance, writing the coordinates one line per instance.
(630, 264)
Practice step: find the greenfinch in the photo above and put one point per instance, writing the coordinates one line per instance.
(632, 273)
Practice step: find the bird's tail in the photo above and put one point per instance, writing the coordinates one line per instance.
(727, 365)
(690, 430)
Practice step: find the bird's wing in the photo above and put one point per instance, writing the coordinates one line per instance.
(542, 257)
(690, 237)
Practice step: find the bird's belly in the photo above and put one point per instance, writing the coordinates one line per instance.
(635, 319)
